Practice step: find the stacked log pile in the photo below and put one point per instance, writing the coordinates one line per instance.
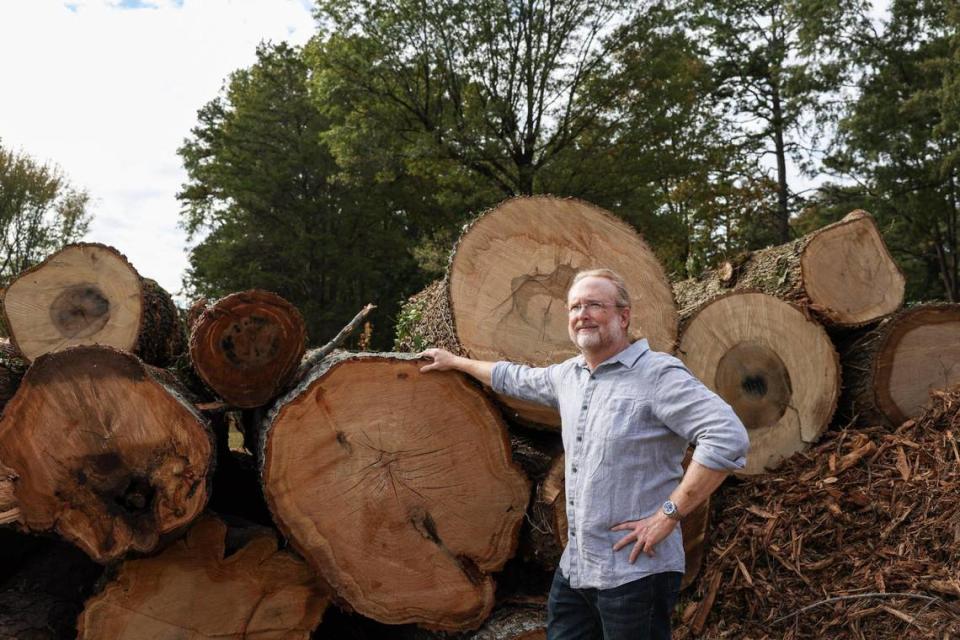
(375, 501)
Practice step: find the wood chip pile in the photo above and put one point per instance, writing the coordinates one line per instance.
(857, 538)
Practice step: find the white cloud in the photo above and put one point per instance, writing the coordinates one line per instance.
(109, 93)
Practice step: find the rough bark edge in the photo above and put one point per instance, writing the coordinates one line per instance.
(162, 337)
(863, 400)
(320, 370)
(775, 271)
(425, 320)
(12, 369)
(809, 318)
(9, 505)
(99, 245)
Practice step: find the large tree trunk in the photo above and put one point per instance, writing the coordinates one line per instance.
(504, 295)
(890, 370)
(194, 590)
(246, 346)
(843, 273)
(397, 486)
(774, 365)
(90, 294)
(107, 453)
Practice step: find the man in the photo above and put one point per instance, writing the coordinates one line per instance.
(627, 415)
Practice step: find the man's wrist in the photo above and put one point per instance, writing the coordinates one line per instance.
(671, 510)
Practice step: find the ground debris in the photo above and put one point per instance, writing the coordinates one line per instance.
(856, 538)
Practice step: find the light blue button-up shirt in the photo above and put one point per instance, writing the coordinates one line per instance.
(626, 427)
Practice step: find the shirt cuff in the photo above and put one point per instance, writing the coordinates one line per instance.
(715, 461)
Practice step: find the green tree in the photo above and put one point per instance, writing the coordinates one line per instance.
(899, 144)
(494, 88)
(40, 212)
(264, 202)
(782, 63)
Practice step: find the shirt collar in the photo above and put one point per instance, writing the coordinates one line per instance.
(628, 357)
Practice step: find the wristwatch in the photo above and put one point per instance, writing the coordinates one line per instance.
(670, 510)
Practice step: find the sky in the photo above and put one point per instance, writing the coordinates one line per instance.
(109, 89)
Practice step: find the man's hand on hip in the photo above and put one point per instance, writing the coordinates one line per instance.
(644, 534)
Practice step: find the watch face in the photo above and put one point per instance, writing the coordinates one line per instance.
(669, 508)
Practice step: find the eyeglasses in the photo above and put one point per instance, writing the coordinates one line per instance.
(591, 307)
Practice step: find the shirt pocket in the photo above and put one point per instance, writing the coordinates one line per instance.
(622, 418)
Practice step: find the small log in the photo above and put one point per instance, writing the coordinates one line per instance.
(774, 365)
(108, 455)
(505, 293)
(843, 273)
(194, 590)
(890, 370)
(396, 486)
(509, 621)
(90, 294)
(246, 346)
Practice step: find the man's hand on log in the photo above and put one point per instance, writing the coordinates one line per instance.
(645, 534)
(442, 359)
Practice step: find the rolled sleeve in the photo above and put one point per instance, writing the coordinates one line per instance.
(688, 408)
(534, 384)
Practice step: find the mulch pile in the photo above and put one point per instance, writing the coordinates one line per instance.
(856, 538)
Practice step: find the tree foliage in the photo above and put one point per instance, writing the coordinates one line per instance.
(899, 141)
(40, 212)
(264, 201)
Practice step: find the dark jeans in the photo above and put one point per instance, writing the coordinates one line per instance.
(638, 610)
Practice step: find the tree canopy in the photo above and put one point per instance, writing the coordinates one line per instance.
(40, 212)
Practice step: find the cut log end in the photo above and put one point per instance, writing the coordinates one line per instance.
(83, 294)
(921, 353)
(257, 592)
(849, 275)
(512, 268)
(106, 456)
(409, 499)
(772, 364)
(247, 346)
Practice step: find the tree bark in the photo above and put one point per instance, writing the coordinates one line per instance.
(504, 295)
(193, 589)
(108, 454)
(90, 294)
(889, 371)
(774, 365)
(842, 273)
(396, 486)
(246, 346)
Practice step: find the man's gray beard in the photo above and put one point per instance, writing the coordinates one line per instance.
(588, 341)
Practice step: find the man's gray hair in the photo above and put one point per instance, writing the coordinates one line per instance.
(623, 296)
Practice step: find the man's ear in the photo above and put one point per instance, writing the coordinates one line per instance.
(625, 317)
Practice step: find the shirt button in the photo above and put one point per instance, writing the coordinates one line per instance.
(573, 533)
(574, 469)
(579, 438)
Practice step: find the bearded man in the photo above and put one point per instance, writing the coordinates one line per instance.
(627, 415)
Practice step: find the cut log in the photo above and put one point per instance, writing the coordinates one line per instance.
(842, 272)
(509, 621)
(773, 364)
(107, 455)
(397, 486)
(890, 371)
(246, 346)
(192, 590)
(505, 294)
(546, 535)
(90, 294)
(550, 511)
